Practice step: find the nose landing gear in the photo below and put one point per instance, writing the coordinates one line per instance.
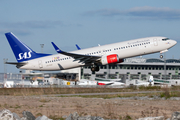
(161, 56)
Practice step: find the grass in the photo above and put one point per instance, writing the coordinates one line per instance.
(39, 114)
(166, 92)
(47, 91)
(17, 106)
(55, 117)
(44, 100)
(41, 106)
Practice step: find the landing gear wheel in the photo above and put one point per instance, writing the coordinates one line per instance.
(93, 69)
(161, 56)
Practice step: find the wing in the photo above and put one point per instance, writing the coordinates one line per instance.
(16, 63)
(82, 58)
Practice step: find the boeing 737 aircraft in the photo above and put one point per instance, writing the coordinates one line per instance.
(95, 56)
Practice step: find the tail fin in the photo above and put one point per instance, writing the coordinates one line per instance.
(21, 51)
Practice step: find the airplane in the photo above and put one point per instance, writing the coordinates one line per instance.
(86, 82)
(112, 83)
(94, 57)
(138, 82)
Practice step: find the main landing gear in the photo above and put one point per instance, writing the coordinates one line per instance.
(95, 68)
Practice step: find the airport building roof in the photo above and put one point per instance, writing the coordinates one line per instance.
(150, 60)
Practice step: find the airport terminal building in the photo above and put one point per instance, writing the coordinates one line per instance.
(138, 68)
(133, 68)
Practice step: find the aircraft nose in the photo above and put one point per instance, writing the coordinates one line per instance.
(174, 42)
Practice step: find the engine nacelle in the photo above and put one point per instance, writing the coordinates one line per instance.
(110, 59)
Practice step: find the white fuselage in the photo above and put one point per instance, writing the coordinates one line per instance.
(124, 49)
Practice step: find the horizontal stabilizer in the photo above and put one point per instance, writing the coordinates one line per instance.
(16, 63)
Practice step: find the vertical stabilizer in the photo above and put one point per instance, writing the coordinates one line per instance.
(21, 51)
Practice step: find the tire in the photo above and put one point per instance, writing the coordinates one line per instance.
(161, 56)
(93, 69)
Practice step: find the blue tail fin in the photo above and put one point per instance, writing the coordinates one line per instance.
(21, 51)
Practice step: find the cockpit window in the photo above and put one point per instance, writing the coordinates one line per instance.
(165, 39)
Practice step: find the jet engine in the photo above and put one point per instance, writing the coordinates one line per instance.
(111, 59)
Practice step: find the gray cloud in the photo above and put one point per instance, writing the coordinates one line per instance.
(104, 12)
(24, 28)
(145, 12)
(21, 32)
(31, 24)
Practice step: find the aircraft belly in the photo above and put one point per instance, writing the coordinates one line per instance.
(71, 64)
(62, 65)
(30, 66)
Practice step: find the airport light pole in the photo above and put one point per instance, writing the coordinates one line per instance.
(5, 70)
(42, 45)
(165, 65)
(22, 78)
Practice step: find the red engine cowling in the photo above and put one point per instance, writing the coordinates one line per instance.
(110, 59)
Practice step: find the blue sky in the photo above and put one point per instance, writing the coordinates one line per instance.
(86, 23)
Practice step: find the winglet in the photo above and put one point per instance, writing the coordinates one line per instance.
(78, 47)
(56, 48)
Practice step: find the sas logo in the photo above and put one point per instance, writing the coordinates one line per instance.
(24, 55)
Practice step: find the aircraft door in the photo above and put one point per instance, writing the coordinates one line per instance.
(40, 64)
(155, 42)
